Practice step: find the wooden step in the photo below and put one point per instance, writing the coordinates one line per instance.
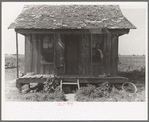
(70, 83)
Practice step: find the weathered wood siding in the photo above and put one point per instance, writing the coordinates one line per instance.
(39, 55)
(60, 68)
(108, 54)
(114, 55)
(27, 53)
(33, 55)
(85, 55)
(98, 68)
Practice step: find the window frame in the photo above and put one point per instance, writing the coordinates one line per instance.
(50, 38)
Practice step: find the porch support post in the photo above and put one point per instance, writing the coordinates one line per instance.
(91, 54)
(17, 54)
(54, 54)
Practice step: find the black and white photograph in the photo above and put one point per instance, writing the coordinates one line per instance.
(74, 60)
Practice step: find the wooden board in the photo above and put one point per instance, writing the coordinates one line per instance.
(114, 50)
(39, 54)
(60, 66)
(59, 31)
(98, 70)
(104, 52)
(117, 58)
(27, 52)
(31, 54)
(108, 54)
(34, 56)
(86, 54)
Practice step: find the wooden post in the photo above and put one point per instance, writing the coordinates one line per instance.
(117, 54)
(54, 53)
(91, 54)
(17, 54)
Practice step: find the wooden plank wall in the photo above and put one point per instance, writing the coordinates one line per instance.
(104, 51)
(39, 53)
(33, 55)
(27, 52)
(108, 55)
(117, 58)
(58, 55)
(85, 54)
(114, 54)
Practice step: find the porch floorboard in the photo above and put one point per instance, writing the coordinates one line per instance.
(41, 78)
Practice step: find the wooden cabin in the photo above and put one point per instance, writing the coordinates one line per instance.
(72, 40)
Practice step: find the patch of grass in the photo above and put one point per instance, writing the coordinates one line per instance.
(135, 74)
(14, 95)
(93, 93)
(11, 72)
(132, 67)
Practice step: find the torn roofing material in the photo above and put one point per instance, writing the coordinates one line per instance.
(71, 17)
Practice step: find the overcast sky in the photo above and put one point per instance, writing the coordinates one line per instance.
(133, 43)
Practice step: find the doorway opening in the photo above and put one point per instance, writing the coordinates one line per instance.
(71, 54)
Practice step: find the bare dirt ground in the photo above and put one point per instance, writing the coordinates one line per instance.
(70, 97)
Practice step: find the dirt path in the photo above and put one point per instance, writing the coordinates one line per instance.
(70, 97)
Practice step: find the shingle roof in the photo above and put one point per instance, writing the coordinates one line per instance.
(72, 17)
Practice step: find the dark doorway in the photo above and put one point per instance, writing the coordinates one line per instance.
(71, 54)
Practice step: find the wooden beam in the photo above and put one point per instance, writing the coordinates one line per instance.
(17, 55)
(60, 31)
(119, 31)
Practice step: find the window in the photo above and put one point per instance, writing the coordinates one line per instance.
(97, 48)
(48, 48)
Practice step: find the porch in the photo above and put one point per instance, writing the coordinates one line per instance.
(41, 78)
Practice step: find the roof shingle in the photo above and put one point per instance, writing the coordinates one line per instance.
(72, 17)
